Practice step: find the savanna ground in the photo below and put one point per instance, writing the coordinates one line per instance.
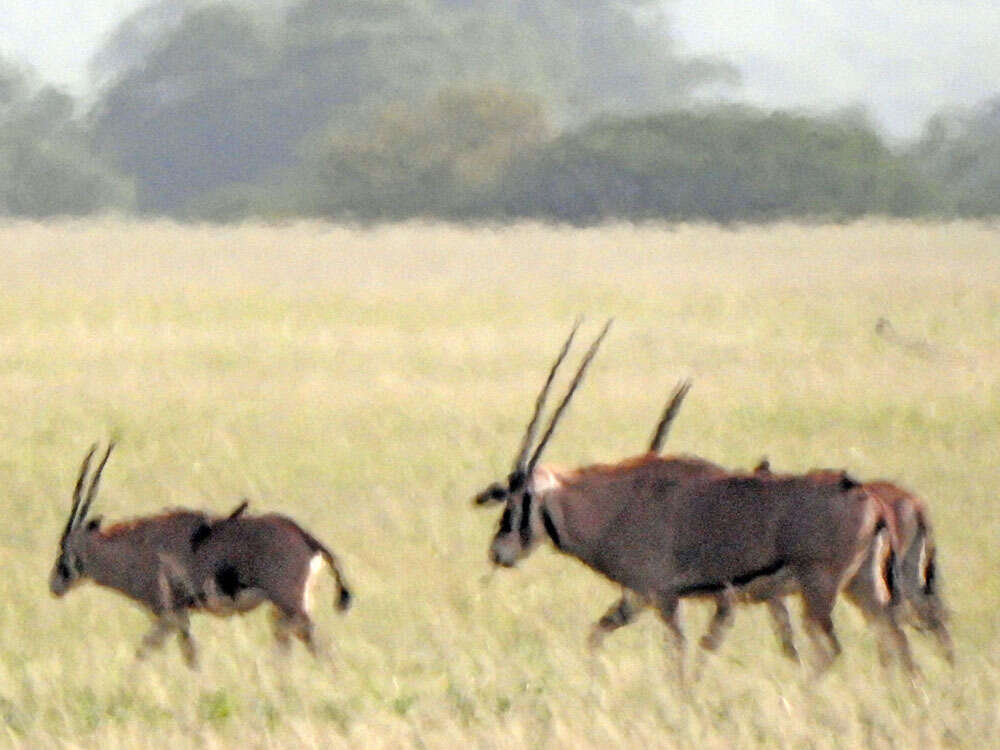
(368, 382)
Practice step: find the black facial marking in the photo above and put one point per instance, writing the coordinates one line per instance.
(203, 532)
(550, 528)
(515, 481)
(524, 529)
(228, 580)
(505, 525)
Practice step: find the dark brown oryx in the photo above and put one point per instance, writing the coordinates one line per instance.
(677, 469)
(664, 540)
(916, 572)
(904, 556)
(158, 560)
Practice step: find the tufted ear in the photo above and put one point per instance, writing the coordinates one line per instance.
(495, 493)
(847, 482)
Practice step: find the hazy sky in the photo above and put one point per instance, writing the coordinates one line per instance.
(904, 59)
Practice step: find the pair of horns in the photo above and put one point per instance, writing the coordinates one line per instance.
(81, 502)
(523, 466)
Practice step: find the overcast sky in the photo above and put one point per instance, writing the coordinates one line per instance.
(903, 59)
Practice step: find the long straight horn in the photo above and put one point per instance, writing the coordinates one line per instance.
(569, 394)
(529, 434)
(674, 406)
(92, 490)
(78, 492)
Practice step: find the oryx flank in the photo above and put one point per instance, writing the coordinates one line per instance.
(904, 555)
(243, 561)
(158, 561)
(664, 539)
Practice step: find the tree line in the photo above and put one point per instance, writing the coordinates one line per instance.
(373, 110)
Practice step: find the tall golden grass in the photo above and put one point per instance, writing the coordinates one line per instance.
(368, 381)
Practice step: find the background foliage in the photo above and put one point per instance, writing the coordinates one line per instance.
(388, 109)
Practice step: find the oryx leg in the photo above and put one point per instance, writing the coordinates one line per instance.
(919, 585)
(162, 626)
(874, 589)
(722, 620)
(619, 614)
(783, 626)
(819, 593)
(170, 615)
(188, 650)
(667, 608)
(294, 623)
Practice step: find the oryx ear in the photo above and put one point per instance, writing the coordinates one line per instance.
(495, 493)
(847, 482)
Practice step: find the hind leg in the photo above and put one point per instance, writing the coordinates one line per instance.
(619, 614)
(294, 623)
(783, 627)
(875, 591)
(819, 592)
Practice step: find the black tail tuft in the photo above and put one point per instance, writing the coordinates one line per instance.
(345, 599)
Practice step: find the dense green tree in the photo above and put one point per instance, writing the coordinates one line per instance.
(48, 165)
(727, 164)
(960, 150)
(203, 95)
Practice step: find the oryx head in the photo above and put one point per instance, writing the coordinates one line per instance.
(524, 521)
(69, 565)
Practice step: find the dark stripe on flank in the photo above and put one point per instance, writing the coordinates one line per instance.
(741, 580)
(550, 527)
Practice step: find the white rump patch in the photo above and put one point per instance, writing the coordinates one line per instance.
(882, 551)
(314, 565)
(923, 562)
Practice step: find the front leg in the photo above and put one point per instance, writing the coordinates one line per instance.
(722, 620)
(667, 607)
(162, 626)
(619, 614)
(188, 649)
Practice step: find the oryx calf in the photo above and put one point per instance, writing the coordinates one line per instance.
(139, 558)
(162, 562)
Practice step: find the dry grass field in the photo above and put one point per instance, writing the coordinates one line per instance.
(368, 382)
